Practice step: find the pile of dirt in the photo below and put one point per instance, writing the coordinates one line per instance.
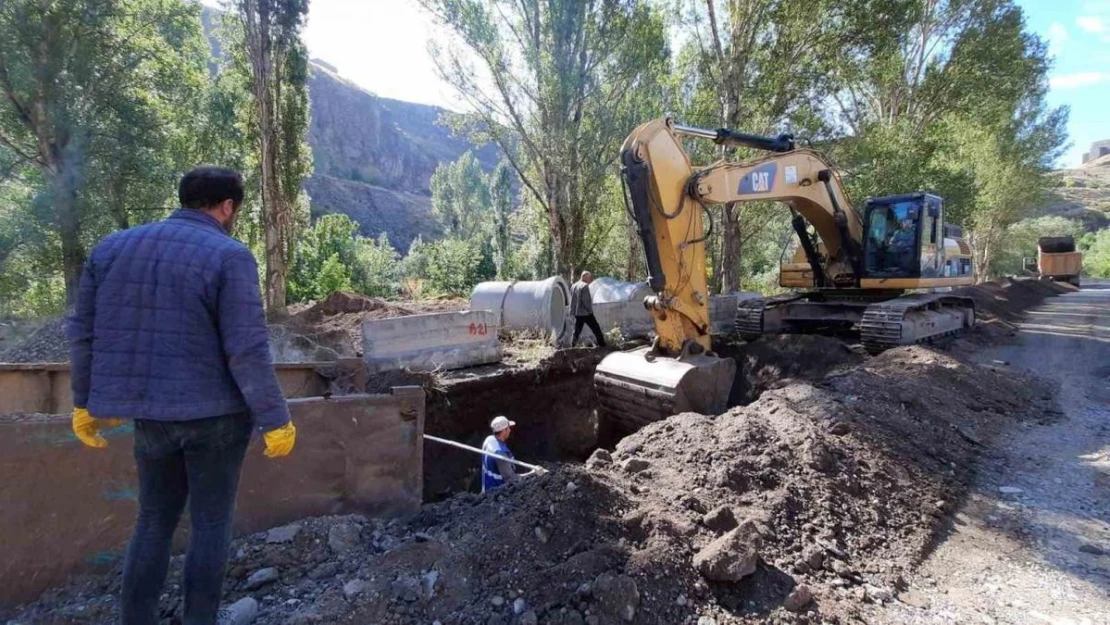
(794, 509)
(332, 327)
(46, 344)
(779, 360)
(1004, 300)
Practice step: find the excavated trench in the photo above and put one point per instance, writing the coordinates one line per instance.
(555, 408)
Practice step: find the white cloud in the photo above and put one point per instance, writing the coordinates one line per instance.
(1078, 80)
(1091, 23)
(1057, 35)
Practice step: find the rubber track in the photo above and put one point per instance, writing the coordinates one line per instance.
(749, 314)
(881, 326)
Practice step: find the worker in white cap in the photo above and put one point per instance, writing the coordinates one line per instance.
(495, 471)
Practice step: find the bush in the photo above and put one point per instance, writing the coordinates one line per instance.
(377, 267)
(454, 266)
(1096, 253)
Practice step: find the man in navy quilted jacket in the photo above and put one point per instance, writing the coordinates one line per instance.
(169, 331)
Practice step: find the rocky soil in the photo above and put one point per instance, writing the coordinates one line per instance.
(798, 508)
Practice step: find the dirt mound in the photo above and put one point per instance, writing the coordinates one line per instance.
(1005, 299)
(838, 486)
(774, 361)
(332, 327)
(47, 344)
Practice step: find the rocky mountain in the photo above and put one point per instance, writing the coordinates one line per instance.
(374, 157)
(1083, 194)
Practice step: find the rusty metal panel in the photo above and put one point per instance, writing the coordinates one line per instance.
(69, 509)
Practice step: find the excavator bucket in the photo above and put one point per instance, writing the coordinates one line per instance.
(635, 388)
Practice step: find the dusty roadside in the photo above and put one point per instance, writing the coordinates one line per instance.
(1031, 544)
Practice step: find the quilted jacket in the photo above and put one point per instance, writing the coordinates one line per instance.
(168, 325)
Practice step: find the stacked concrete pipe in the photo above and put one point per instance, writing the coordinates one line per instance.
(540, 306)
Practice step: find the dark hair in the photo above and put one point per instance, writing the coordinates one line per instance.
(205, 187)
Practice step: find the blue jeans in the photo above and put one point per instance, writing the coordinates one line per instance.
(183, 461)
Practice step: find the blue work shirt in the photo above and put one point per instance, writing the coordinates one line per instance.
(491, 475)
(168, 325)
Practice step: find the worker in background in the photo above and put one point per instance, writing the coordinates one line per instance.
(168, 330)
(495, 471)
(582, 307)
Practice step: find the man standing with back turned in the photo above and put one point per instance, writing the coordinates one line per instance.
(168, 330)
(582, 307)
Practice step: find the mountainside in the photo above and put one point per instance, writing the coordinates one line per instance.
(1083, 194)
(374, 157)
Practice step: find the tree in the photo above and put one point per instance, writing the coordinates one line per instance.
(550, 83)
(97, 99)
(501, 197)
(760, 66)
(278, 70)
(1096, 253)
(332, 236)
(376, 267)
(461, 197)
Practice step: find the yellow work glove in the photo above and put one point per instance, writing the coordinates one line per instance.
(279, 441)
(87, 428)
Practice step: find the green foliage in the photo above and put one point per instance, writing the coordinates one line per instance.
(1096, 253)
(334, 276)
(454, 266)
(332, 237)
(564, 97)
(461, 197)
(377, 267)
(501, 198)
(97, 111)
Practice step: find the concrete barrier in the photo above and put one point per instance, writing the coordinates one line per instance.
(68, 509)
(44, 388)
(452, 340)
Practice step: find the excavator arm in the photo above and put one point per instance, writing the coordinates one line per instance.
(668, 199)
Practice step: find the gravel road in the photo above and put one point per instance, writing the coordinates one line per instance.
(1031, 545)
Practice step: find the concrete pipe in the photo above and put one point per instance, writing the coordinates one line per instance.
(539, 306)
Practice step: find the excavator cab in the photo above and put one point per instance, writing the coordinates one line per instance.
(904, 237)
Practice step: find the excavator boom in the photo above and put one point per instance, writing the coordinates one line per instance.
(857, 266)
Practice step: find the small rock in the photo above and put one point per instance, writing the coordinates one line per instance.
(497, 601)
(915, 599)
(840, 428)
(681, 601)
(617, 596)
(428, 583)
(798, 599)
(584, 590)
(519, 606)
(731, 557)
(571, 487)
(1009, 490)
(542, 534)
(720, 519)
(1092, 549)
(284, 534)
(327, 569)
(600, 457)
(635, 465)
(801, 567)
(816, 559)
(241, 612)
(529, 618)
(706, 620)
(354, 588)
(878, 595)
(343, 537)
(260, 578)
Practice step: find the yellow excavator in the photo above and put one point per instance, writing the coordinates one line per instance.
(854, 268)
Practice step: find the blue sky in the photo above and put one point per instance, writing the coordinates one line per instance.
(1078, 33)
(381, 45)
